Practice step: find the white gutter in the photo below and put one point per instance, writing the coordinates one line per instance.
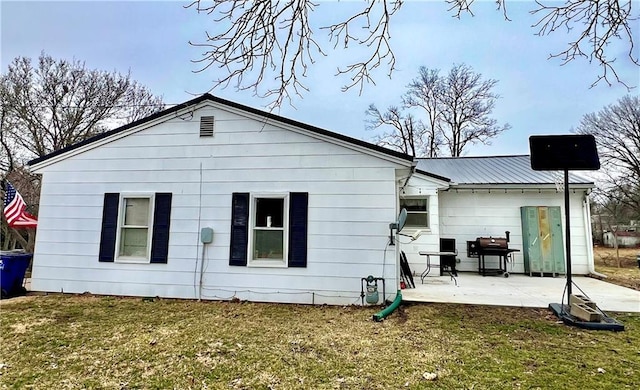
(588, 235)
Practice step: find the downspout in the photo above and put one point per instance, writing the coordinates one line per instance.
(398, 299)
(588, 235)
(414, 164)
(379, 316)
(412, 170)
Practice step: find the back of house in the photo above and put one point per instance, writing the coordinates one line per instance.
(211, 199)
(215, 200)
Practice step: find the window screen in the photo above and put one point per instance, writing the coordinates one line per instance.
(417, 211)
(134, 235)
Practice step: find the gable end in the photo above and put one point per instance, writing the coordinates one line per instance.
(207, 97)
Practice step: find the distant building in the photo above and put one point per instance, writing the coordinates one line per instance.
(626, 239)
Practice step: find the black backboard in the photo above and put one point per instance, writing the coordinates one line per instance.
(563, 152)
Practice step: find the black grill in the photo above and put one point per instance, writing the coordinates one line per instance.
(491, 246)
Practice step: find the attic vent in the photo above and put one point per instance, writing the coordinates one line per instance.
(206, 126)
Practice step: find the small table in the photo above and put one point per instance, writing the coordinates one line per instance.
(428, 269)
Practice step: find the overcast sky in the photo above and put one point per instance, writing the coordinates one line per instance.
(538, 96)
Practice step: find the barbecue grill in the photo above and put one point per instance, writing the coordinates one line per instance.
(491, 246)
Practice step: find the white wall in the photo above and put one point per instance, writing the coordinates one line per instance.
(466, 215)
(352, 199)
(429, 239)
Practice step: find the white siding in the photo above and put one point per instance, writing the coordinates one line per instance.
(429, 239)
(466, 215)
(352, 199)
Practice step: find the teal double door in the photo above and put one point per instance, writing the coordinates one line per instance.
(542, 242)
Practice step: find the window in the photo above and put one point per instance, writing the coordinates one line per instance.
(135, 227)
(417, 211)
(269, 228)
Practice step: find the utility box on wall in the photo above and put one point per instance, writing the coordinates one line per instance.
(542, 241)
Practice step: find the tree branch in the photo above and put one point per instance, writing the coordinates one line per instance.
(603, 22)
(255, 40)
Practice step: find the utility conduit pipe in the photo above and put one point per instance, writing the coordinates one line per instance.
(586, 207)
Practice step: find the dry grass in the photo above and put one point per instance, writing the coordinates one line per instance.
(627, 275)
(72, 342)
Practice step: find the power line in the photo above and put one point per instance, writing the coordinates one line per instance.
(163, 105)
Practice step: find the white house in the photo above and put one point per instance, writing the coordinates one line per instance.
(215, 200)
(486, 197)
(626, 239)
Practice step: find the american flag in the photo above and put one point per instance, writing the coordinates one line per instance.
(15, 209)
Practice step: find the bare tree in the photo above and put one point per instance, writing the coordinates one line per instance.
(425, 92)
(406, 134)
(467, 103)
(616, 129)
(54, 105)
(59, 103)
(457, 109)
(259, 41)
(7, 164)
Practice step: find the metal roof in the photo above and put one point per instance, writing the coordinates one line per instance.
(494, 170)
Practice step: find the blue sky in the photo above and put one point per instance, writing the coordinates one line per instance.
(538, 96)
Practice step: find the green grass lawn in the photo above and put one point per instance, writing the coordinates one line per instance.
(71, 342)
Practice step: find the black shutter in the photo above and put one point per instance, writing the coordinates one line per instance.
(161, 222)
(298, 205)
(239, 228)
(109, 227)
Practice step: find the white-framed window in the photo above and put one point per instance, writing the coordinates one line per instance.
(417, 211)
(135, 223)
(268, 233)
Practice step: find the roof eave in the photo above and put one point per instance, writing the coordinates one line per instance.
(519, 185)
(314, 129)
(434, 176)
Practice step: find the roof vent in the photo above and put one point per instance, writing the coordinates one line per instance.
(206, 126)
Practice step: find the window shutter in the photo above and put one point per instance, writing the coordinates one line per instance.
(206, 126)
(298, 215)
(109, 227)
(239, 228)
(161, 222)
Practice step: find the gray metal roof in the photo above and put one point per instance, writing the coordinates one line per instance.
(494, 170)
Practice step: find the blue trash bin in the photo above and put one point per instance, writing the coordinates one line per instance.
(13, 266)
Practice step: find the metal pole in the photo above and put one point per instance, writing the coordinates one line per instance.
(567, 231)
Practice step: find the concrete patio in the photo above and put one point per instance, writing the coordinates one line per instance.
(520, 291)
